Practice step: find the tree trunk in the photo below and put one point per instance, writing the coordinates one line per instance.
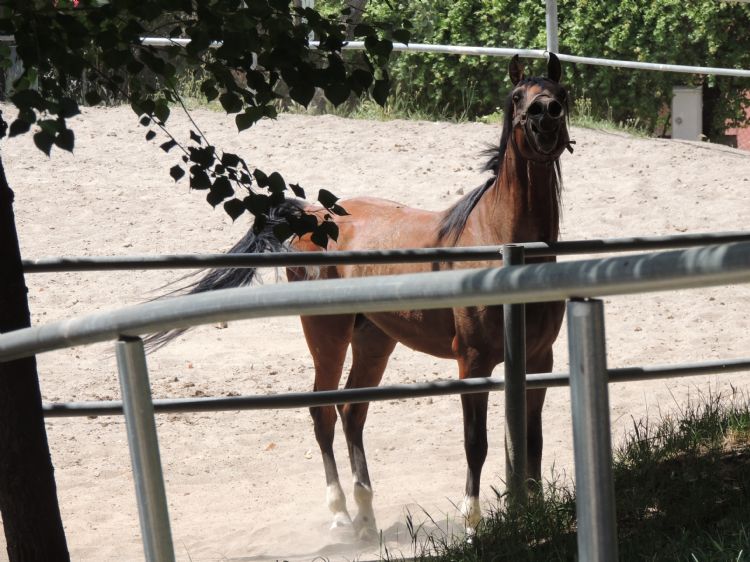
(28, 495)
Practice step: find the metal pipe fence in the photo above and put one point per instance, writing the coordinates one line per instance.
(290, 400)
(592, 442)
(540, 54)
(414, 255)
(696, 267)
(509, 52)
(704, 266)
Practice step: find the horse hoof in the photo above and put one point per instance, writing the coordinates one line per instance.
(341, 521)
(368, 535)
(366, 529)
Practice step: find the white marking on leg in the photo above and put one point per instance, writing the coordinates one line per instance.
(336, 501)
(364, 523)
(472, 514)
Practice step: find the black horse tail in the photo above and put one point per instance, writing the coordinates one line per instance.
(261, 241)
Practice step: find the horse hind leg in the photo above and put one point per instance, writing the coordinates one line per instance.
(328, 338)
(371, 348)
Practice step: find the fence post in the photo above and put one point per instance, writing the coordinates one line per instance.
(592, 447)
(553, 43)
(144, 450)
(514, 331)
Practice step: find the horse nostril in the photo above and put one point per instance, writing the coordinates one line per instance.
(555, 109)
(536, 109)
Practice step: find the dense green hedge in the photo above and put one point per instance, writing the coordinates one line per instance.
(700, 33)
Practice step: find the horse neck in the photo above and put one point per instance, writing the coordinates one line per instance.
(523, 203)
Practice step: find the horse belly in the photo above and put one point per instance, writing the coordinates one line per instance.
(427, 331)
(543, 322)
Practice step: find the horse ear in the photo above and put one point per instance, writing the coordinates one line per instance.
(515, 70)
(554, 70)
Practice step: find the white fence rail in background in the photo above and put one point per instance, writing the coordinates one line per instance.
(508, 52)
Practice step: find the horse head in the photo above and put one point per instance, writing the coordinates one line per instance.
(537, 109)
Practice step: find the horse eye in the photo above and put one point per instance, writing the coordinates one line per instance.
(516, 97)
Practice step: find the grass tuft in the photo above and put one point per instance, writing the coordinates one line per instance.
(682, 487)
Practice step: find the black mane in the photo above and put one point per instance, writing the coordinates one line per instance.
(454, 221)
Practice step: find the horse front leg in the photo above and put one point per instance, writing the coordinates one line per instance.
(534, 437)
(328, 338)
(475, 445)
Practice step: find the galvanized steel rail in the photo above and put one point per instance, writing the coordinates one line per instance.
(507, 52)
(696, 267)
(415, 255)
(291, 400)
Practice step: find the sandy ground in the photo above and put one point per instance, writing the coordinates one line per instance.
(249, 485)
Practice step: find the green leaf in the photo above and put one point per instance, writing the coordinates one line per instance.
(18, 127)
(276, 183)
(261, 178)
(380, 91)
(337, 93)
(298, 191)
(302, 93)
(230, 160)
(161, 110)
(402, 35)
(320, 238)
(214, 198)
(249, 118)
(150, 135)
(282, 231)
(208, 87)
(27, 98)
(68, 108)
(257, 203)
(231, 102)
(65, 140)
(43, 141)
(339, 210)
(360, 80)
(234, 208)
(326, 198)
(363, 29)
(330, 228)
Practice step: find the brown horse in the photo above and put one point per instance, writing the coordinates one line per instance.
(520, 203)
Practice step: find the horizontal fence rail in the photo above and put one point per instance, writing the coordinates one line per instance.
(417, 255)
(390, 392)
(505, 52)
(540, 54)
(682, 269)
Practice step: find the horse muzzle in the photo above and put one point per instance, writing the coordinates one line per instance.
(545, 126)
